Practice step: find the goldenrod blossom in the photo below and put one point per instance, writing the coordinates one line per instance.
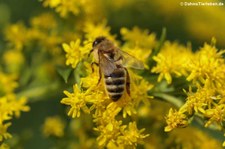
(139, 38)
(175, 119)
(93, 31)
(172, 60)
(16, 35)
(7, 83)
(77, 101)
(53, 126)
(74, 53)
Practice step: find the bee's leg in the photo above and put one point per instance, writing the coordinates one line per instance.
(92, 68)
(100, 75)
(90, 52)
(127, 82)
(119, 58)
(99, 70)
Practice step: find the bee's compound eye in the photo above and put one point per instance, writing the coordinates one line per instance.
(94, 43)
(97, 41)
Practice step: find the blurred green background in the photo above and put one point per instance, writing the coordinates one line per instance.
(184, 24)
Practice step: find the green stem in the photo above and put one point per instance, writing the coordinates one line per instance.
(171, 99)
(39, 91)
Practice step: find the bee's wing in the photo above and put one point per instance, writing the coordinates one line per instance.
(130, 61)
(107, 66)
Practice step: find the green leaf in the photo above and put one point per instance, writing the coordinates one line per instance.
(64, 72)
(157, 48)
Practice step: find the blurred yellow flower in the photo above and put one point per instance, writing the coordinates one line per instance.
(63, 7)
(44, 21)
(51, 3)
(93, 30)
(53, 126)
(7, 83)
(3, 131)
(4, 146)
(180, 138)
(14, 60)
(140, 38)
(16, 35)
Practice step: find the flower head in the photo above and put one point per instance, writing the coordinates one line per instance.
(93, 31)
(74, 53)
(172, 60)
(76, 101)
(53, 126)
(175, 119)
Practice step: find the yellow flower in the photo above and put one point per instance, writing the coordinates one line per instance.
(207, 65)
(13, 59)
(4, 146)
(95, 30)
(10, 106)
(216, 114)
(85, 8)
(51, 3)
(7, 83)
(107, 125)
(175, 119)
(44, 21)
(198, 139)
(140, 54)
(63, 7)
(131, 136)
(76, 100)
(53, 126)
(91, 80)
(138, 38)
(16, 35)
(138, 43)
(172, 60)
(3, 131)
(140, 88)
(74, 53)
(67, 7)
(199, 100)
(19, 105)
(91, 8)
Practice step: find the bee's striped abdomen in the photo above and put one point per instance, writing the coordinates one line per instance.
(115, 83)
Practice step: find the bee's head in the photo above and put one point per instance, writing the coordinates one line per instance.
(97, 41)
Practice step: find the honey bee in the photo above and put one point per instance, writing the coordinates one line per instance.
(113, 64)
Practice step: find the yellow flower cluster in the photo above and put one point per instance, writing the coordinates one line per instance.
(35, 54)
(91, 98)
(138, 42)
(205, 71)
(177, 138)
(173, 59)
(10, 105)
(75, 7)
